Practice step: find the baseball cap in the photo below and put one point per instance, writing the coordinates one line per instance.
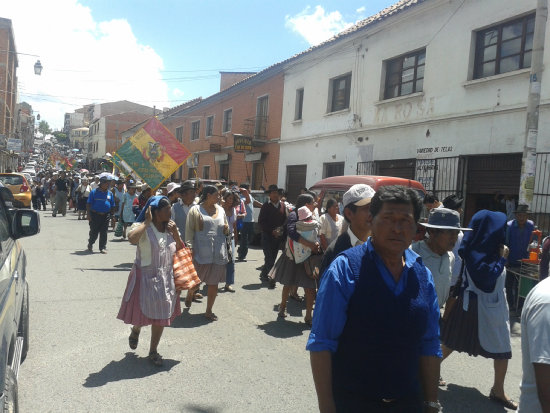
(359, 195)
(172, 186)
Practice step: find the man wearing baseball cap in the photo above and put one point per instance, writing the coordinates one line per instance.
(172, 192)
(356, 202)
(100, 204)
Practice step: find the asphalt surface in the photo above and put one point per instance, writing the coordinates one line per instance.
(247, 361)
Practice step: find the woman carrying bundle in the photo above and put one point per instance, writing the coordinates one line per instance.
(150, 297)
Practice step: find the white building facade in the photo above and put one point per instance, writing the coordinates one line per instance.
(433, 90)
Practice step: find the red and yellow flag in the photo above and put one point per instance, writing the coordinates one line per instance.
(153, 153)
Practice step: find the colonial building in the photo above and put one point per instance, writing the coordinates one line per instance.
(234, 134)
(24, 128)
(8, 81)
(106, 122)
(433, 90)
(104, 134)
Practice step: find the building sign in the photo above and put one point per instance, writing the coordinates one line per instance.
(242, 143)
(215, 147)
(14, 145)
(425, 173)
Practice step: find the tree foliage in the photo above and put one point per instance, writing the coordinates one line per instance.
(60, 136)
(44, 128)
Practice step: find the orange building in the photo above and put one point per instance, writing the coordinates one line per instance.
(234, 134)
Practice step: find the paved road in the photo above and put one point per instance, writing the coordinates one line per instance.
(248, 361)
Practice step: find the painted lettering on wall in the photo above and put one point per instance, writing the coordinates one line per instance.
(433, 149)
(403, 111)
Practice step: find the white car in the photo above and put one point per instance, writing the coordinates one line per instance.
(29, 171)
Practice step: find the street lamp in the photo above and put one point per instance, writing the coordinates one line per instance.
(37, 68)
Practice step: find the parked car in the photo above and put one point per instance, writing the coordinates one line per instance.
(14, 295)
(335, 186)
(19, 187)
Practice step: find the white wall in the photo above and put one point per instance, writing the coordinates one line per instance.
(470, 116)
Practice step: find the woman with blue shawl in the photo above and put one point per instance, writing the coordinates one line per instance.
(479, 323)
(150, 297)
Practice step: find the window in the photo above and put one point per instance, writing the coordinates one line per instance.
(195, 128)
(209, 125)
(227, 119)
(179, 133)
(192, 173)
(299, 104)
(260, 128)
(504, 48)
(333, 169)
(339, 93)
(206, 172)
(405, 75)
(257, 175)
(224, 171)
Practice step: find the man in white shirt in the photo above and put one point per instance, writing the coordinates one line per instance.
(535, 349)
(443, 228)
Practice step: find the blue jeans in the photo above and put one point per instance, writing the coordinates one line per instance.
(247, 235)
(230, 273)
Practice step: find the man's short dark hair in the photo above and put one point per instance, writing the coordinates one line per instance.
(352, 208)
(396, 194)
(430, 199)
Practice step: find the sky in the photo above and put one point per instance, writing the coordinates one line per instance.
(159, 52)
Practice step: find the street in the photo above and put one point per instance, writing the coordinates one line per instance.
(248, 361)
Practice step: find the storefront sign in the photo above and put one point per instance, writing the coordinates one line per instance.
(425, 173)
(14, 145)
(242, 143)
(215, 147)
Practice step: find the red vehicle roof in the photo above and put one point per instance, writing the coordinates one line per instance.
(344, 182)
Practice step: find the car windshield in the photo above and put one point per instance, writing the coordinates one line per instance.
(12, 179)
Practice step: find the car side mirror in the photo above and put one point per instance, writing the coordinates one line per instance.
(25, 223)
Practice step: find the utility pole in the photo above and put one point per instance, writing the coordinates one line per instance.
(529, 160)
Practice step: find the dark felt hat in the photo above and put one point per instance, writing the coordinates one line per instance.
(453, 202)
(522, 209)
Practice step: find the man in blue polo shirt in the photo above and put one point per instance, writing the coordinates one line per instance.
(100, 204)
(374, 344)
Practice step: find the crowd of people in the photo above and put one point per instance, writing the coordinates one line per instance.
(385, 301)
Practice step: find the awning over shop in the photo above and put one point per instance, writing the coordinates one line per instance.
(253, 157)
(222, 157)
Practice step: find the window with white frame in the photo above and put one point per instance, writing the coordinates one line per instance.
(340, 89)
(195, 128)
(505, 47)
(209, 126)
(227, 120)
(405, 74)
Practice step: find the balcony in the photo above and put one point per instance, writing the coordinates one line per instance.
(256, 127)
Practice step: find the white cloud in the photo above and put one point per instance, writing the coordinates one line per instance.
(84, 60)
(316, 26)
(178, 93)
(361, 10)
